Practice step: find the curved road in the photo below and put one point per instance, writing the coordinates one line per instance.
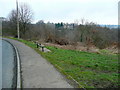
(8, 66)
(36, 71)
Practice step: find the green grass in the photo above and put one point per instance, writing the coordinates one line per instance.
(107, 52)
(91, 70)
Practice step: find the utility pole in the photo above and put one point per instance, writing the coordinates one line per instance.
(18, 31)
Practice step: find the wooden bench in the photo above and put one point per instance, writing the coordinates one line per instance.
(40, 45)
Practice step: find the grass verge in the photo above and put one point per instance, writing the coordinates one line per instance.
(90, 70)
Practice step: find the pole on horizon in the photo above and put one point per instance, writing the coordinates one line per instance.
(18, 32)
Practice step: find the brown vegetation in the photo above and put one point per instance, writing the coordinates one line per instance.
(87, 33)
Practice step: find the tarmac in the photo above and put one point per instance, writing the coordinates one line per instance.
(37, 72)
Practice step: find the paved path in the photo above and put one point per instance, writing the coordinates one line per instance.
(36, 71)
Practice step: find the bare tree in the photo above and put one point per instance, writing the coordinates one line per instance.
(82, 21)
(25, 15)
(13, 22)
(25, 18)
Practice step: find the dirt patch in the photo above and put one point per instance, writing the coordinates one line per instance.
(113, 49)
(82, 47)
(77, 46)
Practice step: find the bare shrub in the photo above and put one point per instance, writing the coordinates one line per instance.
(61, 41)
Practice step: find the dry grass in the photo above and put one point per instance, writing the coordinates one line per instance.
(82, 47)
(77, 46)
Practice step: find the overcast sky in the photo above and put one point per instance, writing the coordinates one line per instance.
(98, 11)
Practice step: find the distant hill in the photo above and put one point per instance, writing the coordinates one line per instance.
(3, 19)
(110, 26)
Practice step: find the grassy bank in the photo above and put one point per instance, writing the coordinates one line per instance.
(90, 70)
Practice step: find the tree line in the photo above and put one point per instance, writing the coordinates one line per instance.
(88, 33)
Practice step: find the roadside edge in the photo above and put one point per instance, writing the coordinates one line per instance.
(19, 82)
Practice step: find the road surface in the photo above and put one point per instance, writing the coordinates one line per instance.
(36, 71)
